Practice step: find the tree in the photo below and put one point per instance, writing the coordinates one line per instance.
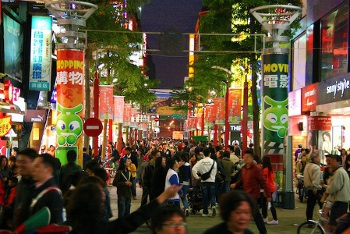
(230, 17)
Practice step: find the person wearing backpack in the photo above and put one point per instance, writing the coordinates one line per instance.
(206, 170)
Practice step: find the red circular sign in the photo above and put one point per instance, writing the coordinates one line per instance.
(92, 127)
(156, 119)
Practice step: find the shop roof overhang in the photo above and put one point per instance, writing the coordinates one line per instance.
(10, 108)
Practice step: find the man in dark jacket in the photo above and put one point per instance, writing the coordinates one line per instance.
(24, 187)
(68, 170)
(46, 193)
(147, 175)
(252, 179)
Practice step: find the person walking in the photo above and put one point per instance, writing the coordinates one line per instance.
(270, 180)
(312, 183)
(338, 189)
(185, 177)
(252, 179)
(203, 166)
(67, 171)
(229, 169)
(123, 183)
(172, 178)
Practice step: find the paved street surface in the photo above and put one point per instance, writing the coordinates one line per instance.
(288, 219)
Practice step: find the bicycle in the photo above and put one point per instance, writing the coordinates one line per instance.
(312, 226)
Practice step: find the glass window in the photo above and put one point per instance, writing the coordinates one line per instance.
(334, 39)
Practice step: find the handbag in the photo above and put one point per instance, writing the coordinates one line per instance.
(206, 175)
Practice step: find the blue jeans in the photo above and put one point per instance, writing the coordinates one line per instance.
(208, 195)
(226, 186)
(133, 187)
(124, 204)
(184, 195)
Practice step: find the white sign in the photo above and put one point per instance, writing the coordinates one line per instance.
(294, 103)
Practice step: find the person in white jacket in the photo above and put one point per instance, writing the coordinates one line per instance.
(208, 185)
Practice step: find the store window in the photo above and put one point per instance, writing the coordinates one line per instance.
(299, 62)
(334, 39)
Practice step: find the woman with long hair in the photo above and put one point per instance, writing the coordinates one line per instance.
(158, 179)
(270, 178)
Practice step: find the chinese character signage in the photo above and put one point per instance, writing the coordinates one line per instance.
(127, 114)
(118, 109)
(219, 108)
(106, 102)
(70, 95)
(40, 55)
(323, 123)
(275, 102)
(5, 125)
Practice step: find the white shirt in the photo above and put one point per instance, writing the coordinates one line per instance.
(203, 166)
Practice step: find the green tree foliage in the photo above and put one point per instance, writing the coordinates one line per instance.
(112, 45)
(229, 17)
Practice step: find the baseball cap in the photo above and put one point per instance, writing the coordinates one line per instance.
(335, 156)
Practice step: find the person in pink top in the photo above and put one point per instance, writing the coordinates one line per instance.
(270, 180)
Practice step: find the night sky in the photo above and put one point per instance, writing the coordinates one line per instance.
(170, 67)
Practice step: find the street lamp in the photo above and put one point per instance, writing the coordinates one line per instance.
(227, 126)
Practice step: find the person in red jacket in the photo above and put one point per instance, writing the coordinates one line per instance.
(11, 191)
(270, 180)
(252, 179)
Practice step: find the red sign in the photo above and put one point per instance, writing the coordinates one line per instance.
(106, 102)
(323, 123)
(309, 96)
(92, 127)
(235, 102)
(219, 106)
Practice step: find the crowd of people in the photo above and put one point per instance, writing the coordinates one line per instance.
(167, 172)
(327, 185)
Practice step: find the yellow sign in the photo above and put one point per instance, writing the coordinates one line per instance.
(8, 145)
(167, 110)
(5, 125)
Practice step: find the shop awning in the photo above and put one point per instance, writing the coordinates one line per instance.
(10, 108)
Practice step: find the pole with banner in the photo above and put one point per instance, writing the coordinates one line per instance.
(71, 16)
(276, 19)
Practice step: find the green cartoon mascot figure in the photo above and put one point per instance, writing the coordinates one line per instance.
(276, 116)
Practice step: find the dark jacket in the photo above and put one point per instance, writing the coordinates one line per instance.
(23, 199)
(228, 167)
(222, 229)
(185, 174)
(125, 224)
(67, 171)
(158, 182)
(147, 174)
(119, 181)
(52, 199)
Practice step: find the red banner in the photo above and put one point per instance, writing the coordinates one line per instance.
(199, 121)
(106, 102)
(235, 102)
(219, 104)
(127, 114)
(209, 116)
(118, 109)
(323, 123)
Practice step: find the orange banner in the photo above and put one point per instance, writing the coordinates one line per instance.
(118, 109)
(209, 114)
(106, 102)
(219, 104)
(199, 121)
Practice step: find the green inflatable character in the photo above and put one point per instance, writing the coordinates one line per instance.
(69, 125)
(276, 116)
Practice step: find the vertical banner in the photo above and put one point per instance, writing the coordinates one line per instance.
(199, 121)
(275, 102)
(92, 103)
(40, 54)
(118, 104)
(209, 115)
(70, 95)
(106, 102)
(127, 114)
(235, 105)
(219, 104)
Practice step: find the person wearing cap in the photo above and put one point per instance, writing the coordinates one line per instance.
(338, 189)
(312, 182)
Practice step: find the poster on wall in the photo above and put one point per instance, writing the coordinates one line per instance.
(13, 51)
(40, 54)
